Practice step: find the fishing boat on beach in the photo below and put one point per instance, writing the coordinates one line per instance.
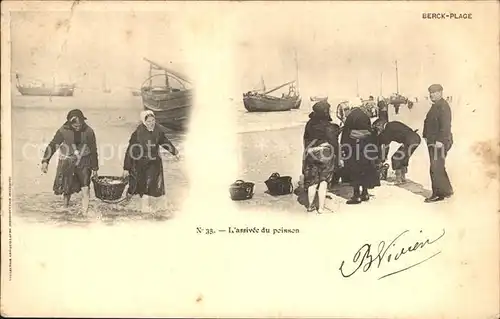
(263, 102)
(168, 95)
(38, 88)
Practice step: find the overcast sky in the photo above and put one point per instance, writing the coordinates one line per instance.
(338, 45)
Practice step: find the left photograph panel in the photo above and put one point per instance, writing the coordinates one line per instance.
(101, 103)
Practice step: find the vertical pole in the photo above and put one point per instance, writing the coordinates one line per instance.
(296, 71)
(397, 78)
(150, 75)
(381, 74)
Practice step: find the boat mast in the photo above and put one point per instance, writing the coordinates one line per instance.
(381, 74)
(150, 75)
(357, 87)
(397, 78)
(296, 70)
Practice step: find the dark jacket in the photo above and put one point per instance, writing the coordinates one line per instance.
(437, 124)
(144, 146)
(396, 131)
(68, 140)
(357, 120)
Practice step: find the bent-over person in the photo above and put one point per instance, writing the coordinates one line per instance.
(437, 133)
(409, 139)
(143, 163)
(78, 160)
(321, 149)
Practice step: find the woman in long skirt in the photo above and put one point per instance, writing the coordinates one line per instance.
(143, 164)
(360, 153)
(78, 159)
(321, 147)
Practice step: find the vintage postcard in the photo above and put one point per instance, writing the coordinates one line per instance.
(250, 159)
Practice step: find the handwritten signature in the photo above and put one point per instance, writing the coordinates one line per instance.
(385, 254)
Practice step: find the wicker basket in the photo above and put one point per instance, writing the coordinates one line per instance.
(241, 190)
(279, 185)
(383, 172)
(109, 187)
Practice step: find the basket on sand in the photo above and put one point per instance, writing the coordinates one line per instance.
(279, 185)
(241, 190)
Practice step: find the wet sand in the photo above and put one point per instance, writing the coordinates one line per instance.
(37, 120)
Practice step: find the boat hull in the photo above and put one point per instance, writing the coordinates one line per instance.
(40, 91)
(171, 109)
(297, 104)
(270, 104)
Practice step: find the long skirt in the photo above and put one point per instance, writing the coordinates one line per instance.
(360, 165)
(146, 178)
(314, 173)
(71, 176)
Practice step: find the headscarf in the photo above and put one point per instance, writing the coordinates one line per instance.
(74, 114)
(144, 116)
(321, 110)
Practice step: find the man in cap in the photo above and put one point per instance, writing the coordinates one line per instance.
(78, 161)
(437, 133)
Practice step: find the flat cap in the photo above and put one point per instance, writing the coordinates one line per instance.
(435, 88)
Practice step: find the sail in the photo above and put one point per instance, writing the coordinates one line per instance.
(175, 73)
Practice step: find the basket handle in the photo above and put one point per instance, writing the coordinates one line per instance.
(275, 175)
(239, 182)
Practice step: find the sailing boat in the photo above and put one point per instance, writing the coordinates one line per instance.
(397, 99)
(171, 105)
(255, 101)
(37, 88)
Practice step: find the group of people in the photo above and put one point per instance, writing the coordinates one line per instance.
(356, 158)
(78, 160)
(363, 148)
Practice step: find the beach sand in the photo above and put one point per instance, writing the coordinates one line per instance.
(266, 152)
(167, 268)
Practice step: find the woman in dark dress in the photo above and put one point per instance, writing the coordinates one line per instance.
(143, 164)
(360, 153)
(321, 147)
(77, 146)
